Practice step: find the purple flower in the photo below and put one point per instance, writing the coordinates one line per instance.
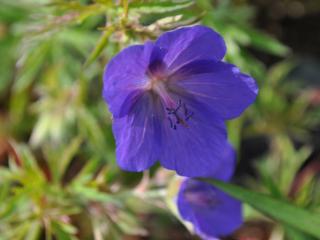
(212, 212)
(169, 101)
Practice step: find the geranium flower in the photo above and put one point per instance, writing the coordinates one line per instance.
(169, 100)
(212, 212)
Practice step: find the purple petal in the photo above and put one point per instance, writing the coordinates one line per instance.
(143, 86)
(212, 212)
(124, 76)
(199, 147)
(138, 135)
(219, 85)
(157, 66)
(189, 44)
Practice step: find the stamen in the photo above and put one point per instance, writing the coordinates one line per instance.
(189, 116)
(171, 123)
(177, 115)
(174, 111)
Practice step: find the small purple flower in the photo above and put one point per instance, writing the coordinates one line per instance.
(212, 212)
(169, 101)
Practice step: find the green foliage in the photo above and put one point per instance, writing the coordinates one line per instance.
(58, 176)
(303, 220)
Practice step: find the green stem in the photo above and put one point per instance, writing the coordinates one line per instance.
(125, 5)
(99, 47)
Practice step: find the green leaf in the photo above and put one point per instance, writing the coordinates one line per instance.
(32, 65)
(92, 194)
(69, 152)
(294, 234)
(34, 231)
(266, 43)
(160, 6)
(99, 47)
(284, 212)
(64, 231)
(92, 130)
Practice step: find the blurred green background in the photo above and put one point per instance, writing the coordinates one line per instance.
(58, 175)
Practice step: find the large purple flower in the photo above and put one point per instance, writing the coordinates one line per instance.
(170, 98)
(212, 212)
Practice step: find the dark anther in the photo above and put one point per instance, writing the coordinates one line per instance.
(172, 110)
(185, 109)
(172, 125)
(177, 116)
(189, 116)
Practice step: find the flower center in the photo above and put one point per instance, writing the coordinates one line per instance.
(158, 86)
(177, 111)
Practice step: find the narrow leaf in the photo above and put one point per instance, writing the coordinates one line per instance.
(284, 212)
(160, 7)
(266, 43)
(69, 153)
(99, 47)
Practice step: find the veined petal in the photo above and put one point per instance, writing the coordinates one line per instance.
(220, 220)
(189, 44)
(124, 77)
(212, 212)
(139, 135)
(219, 85)
(199, 146)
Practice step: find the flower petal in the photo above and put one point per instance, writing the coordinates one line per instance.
(125, 74)
(221, 220)
(212, 212)
(189, 44)
(138, 135)
(199, 148)
(219, 85)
